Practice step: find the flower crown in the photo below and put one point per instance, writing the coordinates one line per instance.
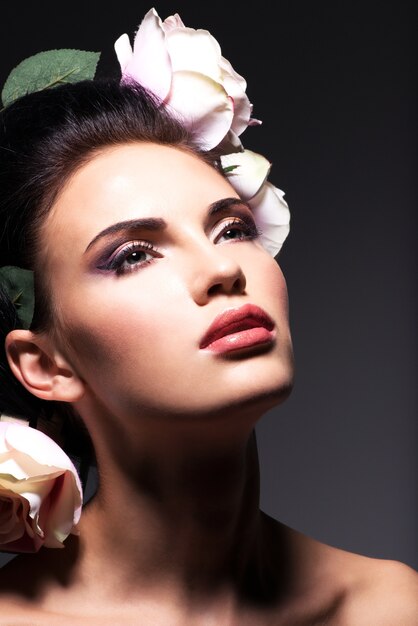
(185, 68)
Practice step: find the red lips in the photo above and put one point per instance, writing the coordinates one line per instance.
(237, 320)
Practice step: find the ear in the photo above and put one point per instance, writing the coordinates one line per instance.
(41, 368)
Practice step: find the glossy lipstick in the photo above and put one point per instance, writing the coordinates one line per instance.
(236, 328)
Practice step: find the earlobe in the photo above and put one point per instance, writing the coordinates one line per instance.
(42, 370)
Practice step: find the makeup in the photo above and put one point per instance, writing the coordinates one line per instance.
(237, 328)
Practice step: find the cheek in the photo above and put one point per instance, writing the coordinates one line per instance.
(276, 281)
(136, 352)
(281, 291)
(122, 325)
(270, 283)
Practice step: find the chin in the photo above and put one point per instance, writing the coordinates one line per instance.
(267, 391)
(256, 395)
(266, 397)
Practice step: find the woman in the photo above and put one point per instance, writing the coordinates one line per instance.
(161, 321)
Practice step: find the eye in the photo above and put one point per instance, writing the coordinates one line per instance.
(237, 229)
(130, 258)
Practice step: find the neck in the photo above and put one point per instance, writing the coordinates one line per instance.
(191, 520)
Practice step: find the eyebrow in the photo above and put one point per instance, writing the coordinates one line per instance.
(158, 223)
(224, 205)
(146, 223)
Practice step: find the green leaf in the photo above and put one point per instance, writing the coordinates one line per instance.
(19, 286)
(48, 69)
(230, 168)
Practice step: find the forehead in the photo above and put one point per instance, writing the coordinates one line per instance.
(134, 180)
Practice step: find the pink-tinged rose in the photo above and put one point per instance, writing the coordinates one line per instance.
(247, 171)
(40, 491)
(185, 68)
(272, 216)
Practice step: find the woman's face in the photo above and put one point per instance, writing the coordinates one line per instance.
(145, 246)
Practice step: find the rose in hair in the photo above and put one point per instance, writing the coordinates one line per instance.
(40, 490)
(185, 68)
(247, 172)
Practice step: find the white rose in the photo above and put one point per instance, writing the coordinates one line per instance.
(247, 172)
(186, 69)
(40, 490)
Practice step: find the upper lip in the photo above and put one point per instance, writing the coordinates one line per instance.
(234, 320)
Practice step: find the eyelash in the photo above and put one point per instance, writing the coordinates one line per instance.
(116, 263)
(248, 229)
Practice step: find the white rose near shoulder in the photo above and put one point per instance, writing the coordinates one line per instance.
(40, 490)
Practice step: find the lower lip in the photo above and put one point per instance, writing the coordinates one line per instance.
(242, 339)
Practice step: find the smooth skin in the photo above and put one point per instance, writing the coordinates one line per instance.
(175, 535)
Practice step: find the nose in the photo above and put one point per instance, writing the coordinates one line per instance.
(214, 272)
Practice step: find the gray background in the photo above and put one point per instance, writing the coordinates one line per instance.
(335, 85)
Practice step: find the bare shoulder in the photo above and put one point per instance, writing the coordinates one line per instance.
(369, 591)
(14, 613)
(380, 593)
(357, 590)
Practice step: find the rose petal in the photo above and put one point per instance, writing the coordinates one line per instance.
(236, 86)
(271, 213)
(13, 510)
(39, 473)
(43, 449)
(64, 512)
(18, 467)
(231, 143)
(173, 21)
(18, 534)
(242, 109)
(203, 105)
(227, 69)
(250, 173)
(13, 469)
(150, 63)
(194, 51)
(26, 543)
(36, 492)
(123, 51)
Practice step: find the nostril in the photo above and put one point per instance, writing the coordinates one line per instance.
(237, 286)
(214, 289)
(240, 282)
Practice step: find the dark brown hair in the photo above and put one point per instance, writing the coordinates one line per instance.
(44, 138)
